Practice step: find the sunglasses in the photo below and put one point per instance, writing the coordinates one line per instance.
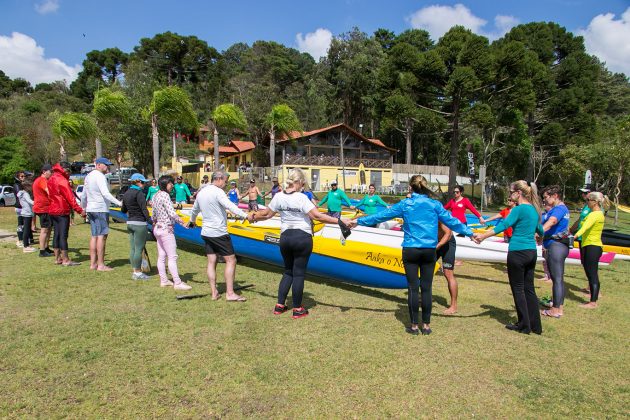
(457, 192)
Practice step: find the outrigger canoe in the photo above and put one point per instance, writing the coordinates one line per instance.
(370, 256)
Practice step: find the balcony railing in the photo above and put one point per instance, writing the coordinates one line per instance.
(336, 161)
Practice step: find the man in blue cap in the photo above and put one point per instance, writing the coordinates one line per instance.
(135, 205)
(95, 200)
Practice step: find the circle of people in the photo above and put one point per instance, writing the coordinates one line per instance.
(429, 233)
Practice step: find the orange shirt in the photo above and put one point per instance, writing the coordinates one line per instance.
(40, 195)
(504, 213)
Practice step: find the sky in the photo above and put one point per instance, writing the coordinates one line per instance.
(47, 40)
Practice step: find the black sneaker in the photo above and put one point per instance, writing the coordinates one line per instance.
(279, 309)
(300, 312)
(46, 254)
(50, 251)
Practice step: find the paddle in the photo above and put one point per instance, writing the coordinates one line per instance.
(201, 295)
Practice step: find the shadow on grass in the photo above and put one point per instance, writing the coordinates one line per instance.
(503, 316)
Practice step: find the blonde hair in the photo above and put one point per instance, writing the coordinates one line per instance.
(601, 199)
(295, 175)
(420, 185)
(529, 191)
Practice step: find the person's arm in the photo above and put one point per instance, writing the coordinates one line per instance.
(27, 197)
(187, 191)
(587, 223)
(142, 202)
(470, 206)
(446, 235)
(508, 221)
(449, 205)
(551, 222)
(101, 183)
(195, 212)
(67, 195)
(315, 214)
(263, 214)
(380, 201)
(123, 207)
(84, 195)
(452, 223)
(345, 198)
(359, 204)
(172, 214)
(387, 214)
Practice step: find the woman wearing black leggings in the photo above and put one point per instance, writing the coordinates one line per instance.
(591, 235)
(296, 238)
(521, 259)
(420, 214)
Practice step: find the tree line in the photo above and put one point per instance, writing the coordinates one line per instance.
(532, 104)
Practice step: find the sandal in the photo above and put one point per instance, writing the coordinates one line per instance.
(71, 264)
(548, 313)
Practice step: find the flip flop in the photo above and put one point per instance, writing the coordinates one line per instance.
(546, 312)
(71, 264)
(239, 299)
(217, 297)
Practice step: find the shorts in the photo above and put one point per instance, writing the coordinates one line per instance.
(336, 214)
(253, 205)
(220, 245)
(44, 220)
(99, 223)
(447, 253)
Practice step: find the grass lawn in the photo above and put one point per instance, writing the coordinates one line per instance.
(79, 344)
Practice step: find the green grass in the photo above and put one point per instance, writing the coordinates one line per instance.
(80, 344)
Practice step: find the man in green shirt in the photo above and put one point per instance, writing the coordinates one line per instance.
(335, 198)
(181, 191)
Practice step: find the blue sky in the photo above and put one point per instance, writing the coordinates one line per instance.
(44, 39)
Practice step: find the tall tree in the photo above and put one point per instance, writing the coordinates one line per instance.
(100, 68)
(170, 106)
(73, 126)
(226, 117)
(281, 120)
(108, 106)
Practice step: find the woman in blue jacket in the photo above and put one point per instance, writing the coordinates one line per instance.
(521, 260)
(420, 214)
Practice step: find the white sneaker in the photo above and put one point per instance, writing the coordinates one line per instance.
(167, 284)
(19, 244)
(182, 286)
(139, 276)
(28, 249)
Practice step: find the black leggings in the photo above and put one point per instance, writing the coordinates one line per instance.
(591, 255)
(27, 233)
(20, 228)
(424, 260)
(521, 265)
(556, 255)
(296, 247)
(61, 224)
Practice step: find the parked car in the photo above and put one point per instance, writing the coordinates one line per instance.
(124, 173)
(88, 168)
(76, 167)
(7, 196)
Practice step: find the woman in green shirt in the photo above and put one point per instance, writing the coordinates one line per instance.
(152, 190)
(370, 202)
(524, 219)
(590, 233)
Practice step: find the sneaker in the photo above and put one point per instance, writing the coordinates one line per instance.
(139, 276)
(279, 309)
(182, 286)
(28, 249)
(167, 284)
(300, 312)
(45, 254)
(19, 244)
(50, 251)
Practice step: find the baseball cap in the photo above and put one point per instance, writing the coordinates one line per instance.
(138, 177)
(333, 183)
(233, 182)
(585, 189)
(46, 167)
(103, 160)
(252, 180)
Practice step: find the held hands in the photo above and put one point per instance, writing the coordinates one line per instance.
(482, 220)
(477, 238)
(350, 223)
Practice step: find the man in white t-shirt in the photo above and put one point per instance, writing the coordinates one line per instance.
(96, 199)
(212, 203)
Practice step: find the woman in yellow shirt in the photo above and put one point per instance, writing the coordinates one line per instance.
(591, 234)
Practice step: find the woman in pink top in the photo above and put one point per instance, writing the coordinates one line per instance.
(164, 219)
(458, 206)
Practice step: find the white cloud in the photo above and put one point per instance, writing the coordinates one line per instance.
(437, 20)
(47, 6)
(609, 39)
(315, 43)
(20, 56)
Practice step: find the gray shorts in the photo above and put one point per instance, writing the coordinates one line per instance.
(99, 223)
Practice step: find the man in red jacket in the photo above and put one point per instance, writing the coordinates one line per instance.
(61, 202)
(40, 208)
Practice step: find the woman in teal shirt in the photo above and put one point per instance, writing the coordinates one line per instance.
(370, 202)
(524, 219)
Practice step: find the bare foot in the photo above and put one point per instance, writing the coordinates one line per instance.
(216, 296)
(450, 310)
(459, 263)
(104, 268)
(235, 298)
(589, 305)
(93, 267)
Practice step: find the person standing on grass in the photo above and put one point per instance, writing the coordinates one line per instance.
(578, 224)
(40, 208)
(252, 195)
(445, 249)
(590, 234)
(458, 206)
(62, 201)
(96, 199)
(421, 215)
(182, 193)
(26, 203)
(521, 258)
(335, 199)
(556, 242)
(164, 219)
(20, 176)
(296, 238)
(135, 205)
(212, 203)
